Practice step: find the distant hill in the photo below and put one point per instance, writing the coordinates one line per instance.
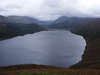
(2, 19)
(27, 20)
(89, 28)
(21, 19)
(70, 22)
(15, 25)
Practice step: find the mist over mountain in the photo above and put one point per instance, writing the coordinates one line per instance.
(50, 9)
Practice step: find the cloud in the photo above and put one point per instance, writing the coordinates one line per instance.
(2, 10)
(50, 9)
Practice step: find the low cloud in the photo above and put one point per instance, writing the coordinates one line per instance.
(50, 9)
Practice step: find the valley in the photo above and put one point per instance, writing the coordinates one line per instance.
(88, 28)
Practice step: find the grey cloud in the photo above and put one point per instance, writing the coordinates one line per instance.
(52, 3)
(2, 10)
(51, 9)
(13, 7)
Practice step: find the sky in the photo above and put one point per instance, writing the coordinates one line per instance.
(50, 9)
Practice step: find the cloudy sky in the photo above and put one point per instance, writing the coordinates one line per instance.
(50, 9)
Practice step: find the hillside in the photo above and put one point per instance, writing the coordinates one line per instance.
(70, 22)
(91, 33)
(89, 28)
(45, 70)
(21, 19)
(20, 27)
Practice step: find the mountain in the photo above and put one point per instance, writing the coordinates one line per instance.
(3, 23)
(89, 28)
(59, 23)
(27, 20)
(45, 24)
(15, 25)
(61, 19)
(2, 19)
(91, 33)
(70, 22)
(22, 19)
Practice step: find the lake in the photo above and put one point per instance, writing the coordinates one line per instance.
(55, 48)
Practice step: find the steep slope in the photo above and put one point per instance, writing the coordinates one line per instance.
(18, 26)
(21, 19)
(91, 32)
(71, 22)
(3, 24)
(19, 29)
(2, 19)
(89, 28)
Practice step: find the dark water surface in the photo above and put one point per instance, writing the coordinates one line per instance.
(57, 48)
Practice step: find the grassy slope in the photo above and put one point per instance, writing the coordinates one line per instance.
(32, 69)
(53, 72)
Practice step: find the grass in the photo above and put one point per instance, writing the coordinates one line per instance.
(32, 69)
(71, 72)
(57, 72)
(38, 73)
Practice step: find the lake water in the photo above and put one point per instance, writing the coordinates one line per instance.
(56, 48)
